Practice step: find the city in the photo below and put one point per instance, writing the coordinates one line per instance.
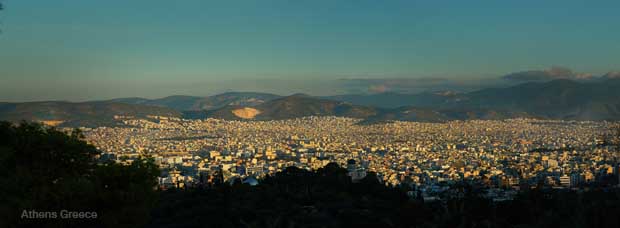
(504, 156)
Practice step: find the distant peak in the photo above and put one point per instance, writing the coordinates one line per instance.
(446, 93)
(563, 80)
(612, 75)
(241, 93)
(178, 96)
(300, 95)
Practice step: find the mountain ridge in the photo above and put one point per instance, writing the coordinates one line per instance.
(556, 99)
(192, 103)
(79, 114)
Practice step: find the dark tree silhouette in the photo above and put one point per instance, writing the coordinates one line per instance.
(44, 169)
(327, 198)
(616, 135)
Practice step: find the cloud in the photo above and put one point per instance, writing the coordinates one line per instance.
(546, 75)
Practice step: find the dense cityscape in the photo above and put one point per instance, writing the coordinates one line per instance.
(502, 156)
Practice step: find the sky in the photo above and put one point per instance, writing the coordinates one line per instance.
(80, 50)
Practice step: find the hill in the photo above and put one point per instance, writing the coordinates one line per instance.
(557, 99)
(193, 103)
(88, 114)
(395, 100)
(234, 99)
(302, 105)
(440, 115)
(292, 107)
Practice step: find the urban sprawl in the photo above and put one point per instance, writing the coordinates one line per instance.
(503, 156)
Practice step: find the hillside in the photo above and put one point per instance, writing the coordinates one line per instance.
(293, 107)
(557, 99)
(234, 99)
(88, 114)
(193, 103)
(395, 100)
(441, 115)
(299, 106)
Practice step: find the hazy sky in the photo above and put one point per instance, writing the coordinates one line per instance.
(93, 49)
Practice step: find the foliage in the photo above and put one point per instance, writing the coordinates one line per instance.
(44, 169)
(327, 198)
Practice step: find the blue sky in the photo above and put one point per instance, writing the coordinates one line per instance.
(92, 49)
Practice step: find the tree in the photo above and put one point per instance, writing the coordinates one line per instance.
(616, 135)
(44, 169)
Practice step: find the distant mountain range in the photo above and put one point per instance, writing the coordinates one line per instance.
(294, 106)
(395, 100)
(187, 103)
(88, 114)
(441, 115)
(557, 99)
